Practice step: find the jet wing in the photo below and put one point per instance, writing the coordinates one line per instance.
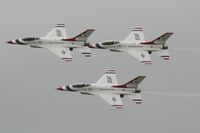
(141, 55)
(113, 99)
(61, 52)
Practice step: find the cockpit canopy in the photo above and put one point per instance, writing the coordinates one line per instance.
(30, 39)
(109, 42)
(80, 85)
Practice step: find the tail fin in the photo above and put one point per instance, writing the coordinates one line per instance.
(109, 77)
(137, 96)
(135, 82)
(81, 37)
(132, 84)
(160, 40)
(58, 31)
(136, 36)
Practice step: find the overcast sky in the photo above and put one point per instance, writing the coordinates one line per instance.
(29, 102)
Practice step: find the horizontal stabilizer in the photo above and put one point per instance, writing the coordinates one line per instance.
(85, 51)
(164, 54)
(137, 98)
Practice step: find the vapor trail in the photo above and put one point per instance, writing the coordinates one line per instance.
(187, 49)
(188, 95)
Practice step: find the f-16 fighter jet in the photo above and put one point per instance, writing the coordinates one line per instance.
(109, 90)
(57, 42)
(136, 45)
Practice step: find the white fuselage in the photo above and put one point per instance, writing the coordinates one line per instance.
(119, 46)
(45, 42)
(141, 46)
(95, 88)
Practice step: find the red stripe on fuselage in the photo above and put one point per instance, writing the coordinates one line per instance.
(148, 43)
(119, 86)
(69, 39)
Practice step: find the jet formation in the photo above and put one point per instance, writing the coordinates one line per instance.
(107, 86)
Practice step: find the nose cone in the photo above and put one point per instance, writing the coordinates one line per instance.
(10, 42)
(61, 88)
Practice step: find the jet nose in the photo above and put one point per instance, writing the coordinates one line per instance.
(61, 88)
(10, 42)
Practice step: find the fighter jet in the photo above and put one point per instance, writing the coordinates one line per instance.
(109, 90)
(136, 45)
(57, 42)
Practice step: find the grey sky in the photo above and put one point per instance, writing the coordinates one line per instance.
(29, 102)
